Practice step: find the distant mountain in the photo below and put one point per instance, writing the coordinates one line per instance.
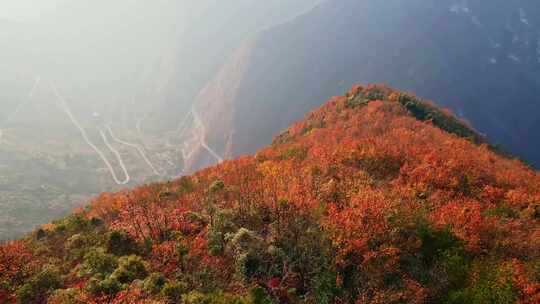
(482, 60)
(211, 39)
(374, 197)
(107, 54)
(92, 94)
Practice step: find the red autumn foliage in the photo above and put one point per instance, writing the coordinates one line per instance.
(361, 202)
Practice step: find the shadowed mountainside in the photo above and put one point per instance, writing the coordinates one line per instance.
(480, 60)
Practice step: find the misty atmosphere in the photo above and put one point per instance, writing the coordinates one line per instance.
(276, 151)
(100, 95)
(94, 94)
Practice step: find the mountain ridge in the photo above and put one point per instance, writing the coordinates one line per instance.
(456, 52)
(375, 197)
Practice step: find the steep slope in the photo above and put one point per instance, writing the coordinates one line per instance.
(452, 51)
(211, 39)
(375, 197)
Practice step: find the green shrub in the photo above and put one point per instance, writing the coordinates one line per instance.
(78, 245)
(48, 278)
(424, 112)
(108, 286)
(536, 269)
(27, 294)
(196, 297)
(221, 226)
(247, 248)
(92, 286)
(39, 286)
(355, 102)
(490, 284)
(320, 124)
(282, 138)
(295, 153)
(173, 291)
(216, 241)
(130, 268)
(76, 241)
(258, 295)
(245, 239)
(121, 243)
(502, 211)
(374, 94)
(216, 186)
(98, 262)
(154, 283)
(68, 296)
(308, 253)
(72, 224)
(147, 245)
(435, 242)
(185, 185)
(363, 98)
(456, 268)
(248, 265)
(441, 262)
(324, 284)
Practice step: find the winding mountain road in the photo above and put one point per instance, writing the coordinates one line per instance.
(118, 156)
(138, 148)
(199, 138)
(202, 137)
(64, 106)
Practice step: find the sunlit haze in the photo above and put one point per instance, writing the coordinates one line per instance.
(269, 151)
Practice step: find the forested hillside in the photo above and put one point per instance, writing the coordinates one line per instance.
(375, 197)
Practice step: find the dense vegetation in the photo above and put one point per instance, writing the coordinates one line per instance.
(376, 197)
